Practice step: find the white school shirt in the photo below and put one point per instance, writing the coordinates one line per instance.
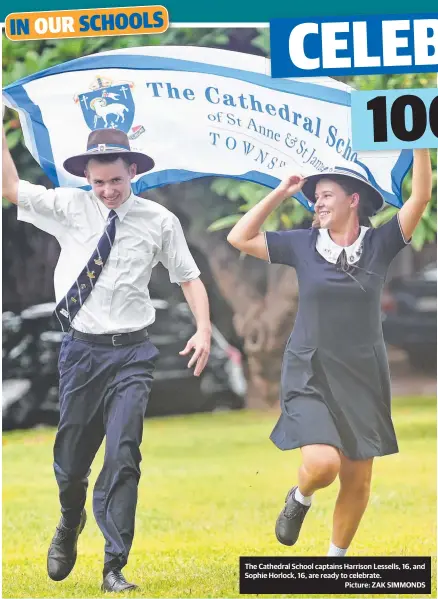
(146, 233)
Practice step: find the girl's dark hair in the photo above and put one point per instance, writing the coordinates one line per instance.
(350, 186)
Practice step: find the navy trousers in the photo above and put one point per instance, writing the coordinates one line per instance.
(103, 392)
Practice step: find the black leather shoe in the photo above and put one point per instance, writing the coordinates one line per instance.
(290, 520)
(115, 582)
(62, 554)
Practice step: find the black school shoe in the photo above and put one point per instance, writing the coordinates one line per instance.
(115, 582)
(62, 554)
(290, 520)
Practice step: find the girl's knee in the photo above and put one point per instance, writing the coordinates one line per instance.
(322, 465)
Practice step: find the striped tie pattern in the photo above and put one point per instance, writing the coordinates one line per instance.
(72, 302)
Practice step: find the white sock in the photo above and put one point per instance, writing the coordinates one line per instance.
(302, 498)
(336, 551)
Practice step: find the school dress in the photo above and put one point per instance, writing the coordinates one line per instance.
(335, 385)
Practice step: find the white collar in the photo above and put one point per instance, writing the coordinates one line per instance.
(330, 251)
(121, 211)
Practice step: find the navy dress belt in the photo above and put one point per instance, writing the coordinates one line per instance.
(114, 339)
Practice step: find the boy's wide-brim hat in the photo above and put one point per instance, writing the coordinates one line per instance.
(104, 142)
(366, 191)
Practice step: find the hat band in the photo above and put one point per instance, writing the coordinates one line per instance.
(346, 171)
(107, 147)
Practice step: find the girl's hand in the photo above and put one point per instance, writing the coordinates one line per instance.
(291, 185)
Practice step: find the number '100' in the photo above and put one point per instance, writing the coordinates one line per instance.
(398, 118)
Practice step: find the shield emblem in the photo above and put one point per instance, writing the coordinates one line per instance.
(111, 106)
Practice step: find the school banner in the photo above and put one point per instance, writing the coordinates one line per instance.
(198, 112)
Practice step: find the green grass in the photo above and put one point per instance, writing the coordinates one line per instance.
(212, 486)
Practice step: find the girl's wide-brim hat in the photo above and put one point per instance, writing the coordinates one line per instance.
(104, 142)
(366, 191)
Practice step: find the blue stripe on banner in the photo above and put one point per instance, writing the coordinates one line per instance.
(29, 126)
(167, 177)
(144, 63)
(170, 176)
(149, 181)
(41, 138)
(400, 171)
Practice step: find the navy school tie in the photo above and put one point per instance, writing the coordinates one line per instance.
(74, 299)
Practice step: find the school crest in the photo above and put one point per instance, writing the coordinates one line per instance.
(107, 105)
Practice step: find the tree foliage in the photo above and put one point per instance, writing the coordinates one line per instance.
(245, 195)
